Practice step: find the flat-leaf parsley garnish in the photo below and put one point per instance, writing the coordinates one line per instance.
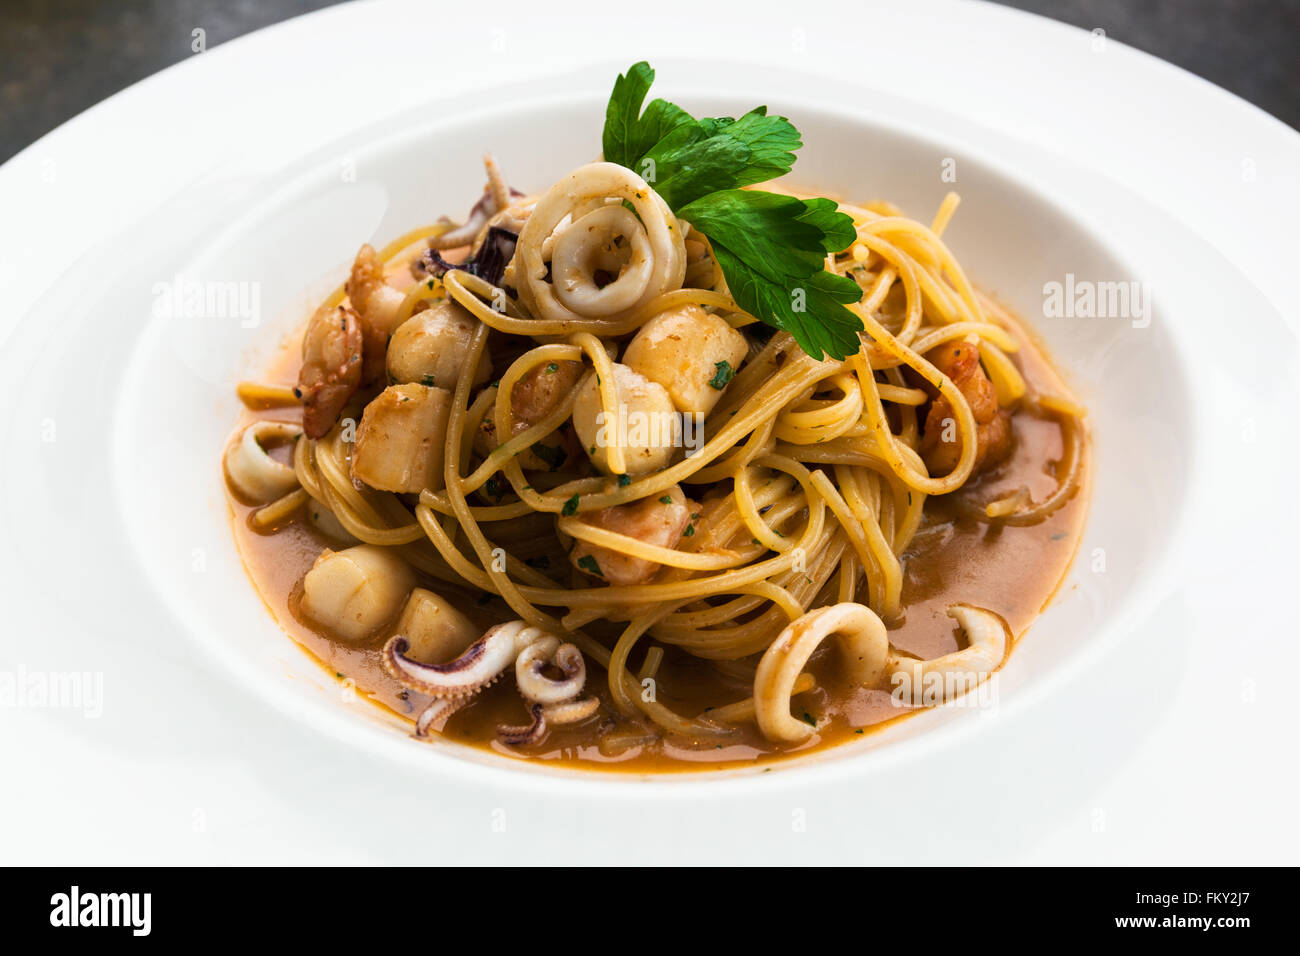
(772, 248)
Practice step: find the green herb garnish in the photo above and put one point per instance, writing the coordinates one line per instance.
(722, 376)
(570, 506)
(666, 500)
(771, 248)
(588, 563)
(552, 456)
(624, 480)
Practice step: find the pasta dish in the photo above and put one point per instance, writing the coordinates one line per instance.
(663, 466)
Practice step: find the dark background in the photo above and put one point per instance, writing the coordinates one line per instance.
(58, 57)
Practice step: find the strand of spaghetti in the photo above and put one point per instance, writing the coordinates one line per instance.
(654, 656)
(909, 433)
(474, 415)
(258, 395)
(882, 553)
(887, 445)
(743, 710)
(357, 515)
(634, 547)
(305, 468)
(470, 290)
(848, 585)
(778, 596)
(758, 443)
(1071, 464)
(619, 683)
(750, 637)
(747, 507)
(843, 451)
(848, 521)
(948, 262)
(701, 628)
(551, 421)
(907, 273)
(361, 529)
(1006, 378)
(615, 453)
(958, 330)
(946, 208)
(814, 421)
(467, 289)
(1060, 405)
(900, 395)
(482, 513)
(426, 290)
(690, 296)
(275, 512)
(476, 576)
(750, 597)
(753, 375)
(748, 510)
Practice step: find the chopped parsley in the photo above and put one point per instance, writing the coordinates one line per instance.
(570, 506)
(624, 480)
(722, 376)
(588, 563)
(666, 500)
(552, 456)
(552, 368)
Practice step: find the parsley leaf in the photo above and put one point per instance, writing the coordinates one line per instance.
(629, 134)
(771, 248)
(772, 251)
(570, 507)
(588, 563)
(709, 155)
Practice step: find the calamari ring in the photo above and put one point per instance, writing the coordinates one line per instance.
(572, 234)
(865, 644)
(954, 674)
(255, 473)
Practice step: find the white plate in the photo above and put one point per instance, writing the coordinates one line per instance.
(114, 417)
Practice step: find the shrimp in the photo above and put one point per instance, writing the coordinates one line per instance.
(377, 303)
(655, 520)
(331, 367)
(940, 448)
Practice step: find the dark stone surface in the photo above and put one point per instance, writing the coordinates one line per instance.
(59, 57)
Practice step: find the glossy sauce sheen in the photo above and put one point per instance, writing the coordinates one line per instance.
(1011, 571)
